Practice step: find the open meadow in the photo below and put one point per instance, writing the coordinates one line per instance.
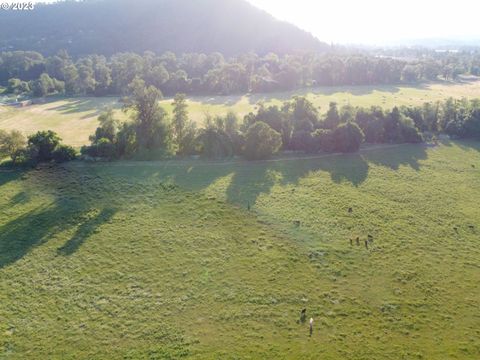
(75, 119)
(165, 260)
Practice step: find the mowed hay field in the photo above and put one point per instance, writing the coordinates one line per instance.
(75, 119)
(163, 260)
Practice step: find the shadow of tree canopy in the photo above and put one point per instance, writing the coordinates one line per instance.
(93, 106)
(86, 230)
(7, 175)
(20, 235)
(68, 209)
(408, 155)
(19, 199)
(251, 179)
(83, 200)
(467, 145)
(357, 90)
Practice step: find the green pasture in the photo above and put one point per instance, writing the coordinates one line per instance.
(75, 119)
(165, 260)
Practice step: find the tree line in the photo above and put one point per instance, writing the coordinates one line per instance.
(296, 125)
(29, 72)
(43, 146)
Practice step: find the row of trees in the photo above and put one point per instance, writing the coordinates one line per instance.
(30, 72)
(44, 146)
(296, 125)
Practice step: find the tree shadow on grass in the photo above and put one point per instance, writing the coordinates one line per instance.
(408, 155)
(21, 234)
(349, 168)
(86, 230)
(354, 90)
(19, 199)
(93, 107)
(7, 175)
(70, 206)
(249, 181)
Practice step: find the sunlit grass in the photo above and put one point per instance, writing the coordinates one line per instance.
(76, 118)
(164, 260)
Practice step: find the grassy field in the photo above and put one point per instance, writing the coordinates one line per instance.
(163, 260)
(76, 118)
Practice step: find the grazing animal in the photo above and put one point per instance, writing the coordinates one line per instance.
(350, 210)
(366, 244)
(311, 327)
(303, 316)
(357, 240)
(351, 242)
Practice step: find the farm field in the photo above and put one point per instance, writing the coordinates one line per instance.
(163, 260)
(76, 118)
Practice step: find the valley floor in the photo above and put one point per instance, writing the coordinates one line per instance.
(206, 261)
(75, 119)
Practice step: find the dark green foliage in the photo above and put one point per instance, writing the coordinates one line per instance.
(261, 141)
(102, 148)
(64, 153)
(462, 118)
(372, 123)
(303, 140)
(43, 86)
(152, 129)
(17, 86)
(214, 143)
(278, 119)
(46, 146)
(411, 135)
(323, 140)
(12, 144)
(232, 129)
(332, 119)
(184, 130)
(202, 74)
(348, 137)
(43, 144)
(127, 140)
(108, 128)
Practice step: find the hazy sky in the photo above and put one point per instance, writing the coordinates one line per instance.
(376, 21)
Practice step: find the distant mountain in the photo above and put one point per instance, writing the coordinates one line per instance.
(109, 26)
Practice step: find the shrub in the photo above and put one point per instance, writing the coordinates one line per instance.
(64, 153)
(348, 137)
(102, 148)
(215, 144)
(42, 145)
(303, 141)
(323, 140)
(261, 141)
(411, 135)
(11, 144)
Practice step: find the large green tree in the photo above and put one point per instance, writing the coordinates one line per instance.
(184, 130)
(261, 141)
(11, 144)
(152, 127)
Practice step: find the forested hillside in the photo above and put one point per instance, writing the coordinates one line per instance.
(109, 26)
